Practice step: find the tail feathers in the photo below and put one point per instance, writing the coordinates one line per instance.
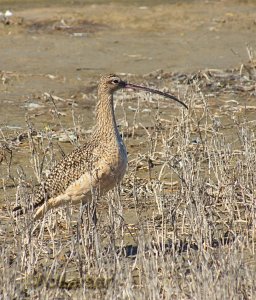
(35, 201)
(20, 210)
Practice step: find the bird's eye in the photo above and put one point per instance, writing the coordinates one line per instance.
(115, 81)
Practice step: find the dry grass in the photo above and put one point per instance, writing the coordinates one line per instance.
(182, 226)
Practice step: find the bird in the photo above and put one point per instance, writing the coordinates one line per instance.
(93, 168)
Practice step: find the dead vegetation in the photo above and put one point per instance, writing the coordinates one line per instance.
(182, 224)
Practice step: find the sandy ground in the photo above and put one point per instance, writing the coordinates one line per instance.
(130, 38)
(63, 47)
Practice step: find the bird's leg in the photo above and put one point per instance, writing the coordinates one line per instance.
(86, 230)
(92, 218)
(94, 215)
(92, 212)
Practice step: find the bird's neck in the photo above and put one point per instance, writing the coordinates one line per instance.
(106, 127)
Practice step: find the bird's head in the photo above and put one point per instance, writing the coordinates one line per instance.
(111, 83)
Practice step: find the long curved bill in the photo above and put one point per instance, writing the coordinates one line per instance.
(135, 86)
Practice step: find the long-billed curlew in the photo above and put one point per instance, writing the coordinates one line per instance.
(95, 167)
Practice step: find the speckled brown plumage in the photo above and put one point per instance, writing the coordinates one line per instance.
(68, 170)
(93, 168)
(103, 158)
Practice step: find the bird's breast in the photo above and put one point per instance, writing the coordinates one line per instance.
(118, 161)
(123, 160)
